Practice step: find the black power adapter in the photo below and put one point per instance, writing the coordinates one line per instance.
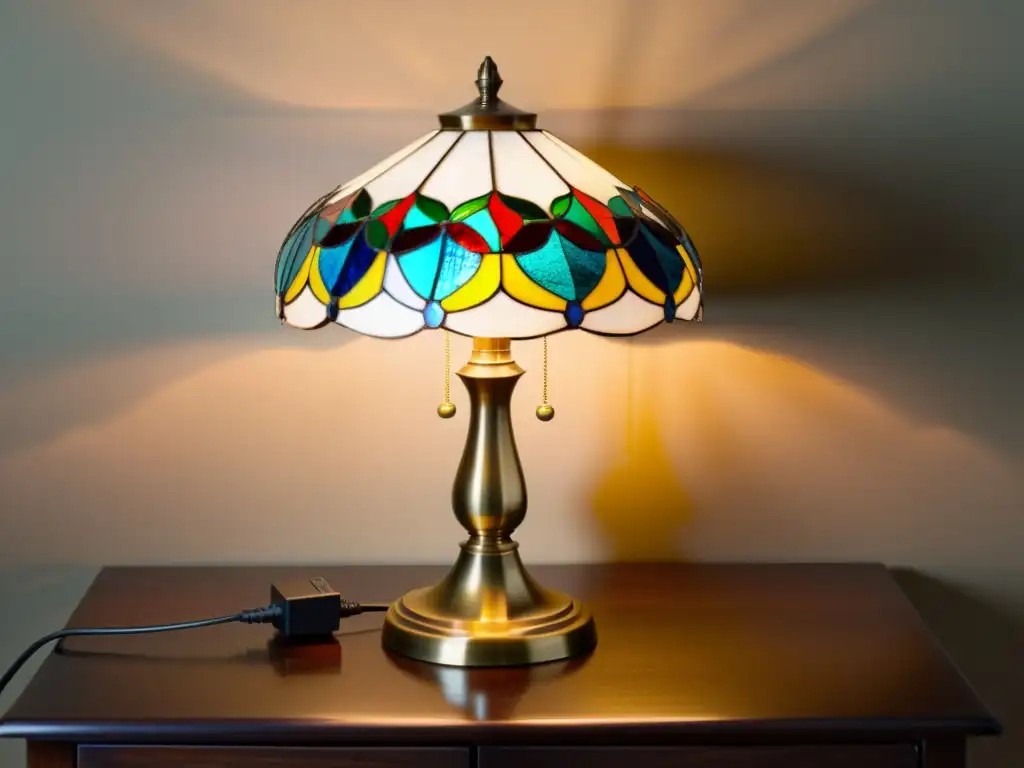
(300, 610)
(311, 608)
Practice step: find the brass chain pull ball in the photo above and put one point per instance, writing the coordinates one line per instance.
(447, 409)
(544, 411)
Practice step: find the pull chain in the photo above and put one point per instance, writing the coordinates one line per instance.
(544, 411)
(447, 409)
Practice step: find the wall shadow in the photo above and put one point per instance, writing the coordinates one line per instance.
(987, 644)
(769, 221)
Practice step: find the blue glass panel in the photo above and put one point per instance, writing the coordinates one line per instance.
(548, 268)
(360, 256)
(574, 314)
(669, 259)
(482, 223)
(641, 250)
(332, 260)
(433, 315)
(586, 267)
(670, 308)
(457, 267)
(420, 266)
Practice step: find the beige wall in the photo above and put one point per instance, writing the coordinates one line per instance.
(850, 171)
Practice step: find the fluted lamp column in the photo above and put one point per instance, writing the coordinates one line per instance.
(490, 228)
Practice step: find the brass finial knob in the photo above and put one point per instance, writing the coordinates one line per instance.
(488, 81)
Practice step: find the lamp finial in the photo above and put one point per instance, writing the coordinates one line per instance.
(488, 81)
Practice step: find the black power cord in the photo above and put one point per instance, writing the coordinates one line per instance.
(297, 609)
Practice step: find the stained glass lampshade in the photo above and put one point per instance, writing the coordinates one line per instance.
(491, 228)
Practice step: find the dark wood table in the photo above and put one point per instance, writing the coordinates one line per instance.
(716, 666)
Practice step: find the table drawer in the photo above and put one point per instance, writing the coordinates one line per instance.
(809, 756)
(116, 756)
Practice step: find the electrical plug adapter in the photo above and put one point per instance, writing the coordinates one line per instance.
(308, 608)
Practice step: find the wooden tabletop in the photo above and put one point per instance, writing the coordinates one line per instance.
(684, 651)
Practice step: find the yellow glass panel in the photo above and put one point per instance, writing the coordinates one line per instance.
(637, 281)
(519, 286)
(684, 288)
(688, 262)
(479, 288)
(369, 285)
(316, 282)
(612, 284)
(301, 278)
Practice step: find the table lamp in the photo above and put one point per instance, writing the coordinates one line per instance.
(491, 228)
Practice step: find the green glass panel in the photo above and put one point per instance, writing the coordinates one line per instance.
(377, 235)
(548, 267)
(470, 207)
(529, 211)
(581, 217)
(420, 266)
(362, 205)
(484, 225)
(380, 210)
(561, 205)
(435, 210)
(619, 207)
(323, 226)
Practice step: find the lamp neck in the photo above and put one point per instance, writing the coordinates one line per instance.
(489, 494)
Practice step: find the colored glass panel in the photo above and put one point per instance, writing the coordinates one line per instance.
(505, 219)
(642, 249)
(362, 204)
(479, 288)
(527, 210)
(467, 237)
(666, 254)
(300, 280)
(601, 214)
(433, 315)
(293, 251)
(467, 209)
(484, 225)
(360, 256)
(611, 286)
(377, 234)
(332, 260)
(579, 236)
(519, 286)
(549, 269)
(412, 239)
(393, 217)
(420, 266)
(369, 284)
(637, 280)
(619, 207)
(458, 265)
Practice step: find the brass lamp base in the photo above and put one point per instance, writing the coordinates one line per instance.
(488, 611)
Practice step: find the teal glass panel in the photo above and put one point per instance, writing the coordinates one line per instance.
(548, 267)
(420, 265)
(484, 225)
(587, 267)
(457, 267)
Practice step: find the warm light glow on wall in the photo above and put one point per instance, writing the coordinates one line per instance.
(687, 447)
(346, 54)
